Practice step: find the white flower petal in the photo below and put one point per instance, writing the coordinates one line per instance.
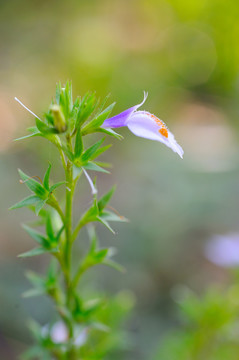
(148, 126)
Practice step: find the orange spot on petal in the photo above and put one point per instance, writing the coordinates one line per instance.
(163, 131)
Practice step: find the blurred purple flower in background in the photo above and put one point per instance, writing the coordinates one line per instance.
(146, 125)
(223, 250)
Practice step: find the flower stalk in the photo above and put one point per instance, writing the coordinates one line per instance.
(78, 326)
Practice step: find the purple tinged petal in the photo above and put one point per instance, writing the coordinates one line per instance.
(121, 119)
(144, 125)
(223, 250)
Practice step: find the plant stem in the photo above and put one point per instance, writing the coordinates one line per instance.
(68, 247)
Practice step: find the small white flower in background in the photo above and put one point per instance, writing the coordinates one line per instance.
(59, 333)
(81, 338)
(223, 250)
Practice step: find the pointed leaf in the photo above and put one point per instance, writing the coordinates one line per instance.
(87, 155)
(58, 92)
(98, 121)
(56, 185)
(100, 151)
(77, 171)
(33, 292)
(86, 107)
(93, 166)
(110, 216)
(38, 251)
(46, 177)
(110, 132)
(105, 223)
(38, 237)
(68, 153)
(49, 228)
(59, 234)
(30, 200)
(33, 185)
(100, 255)
(78, 144)
(105, 199)
(93, 238)
(114, 265)
(39, 206)
(27, 136)
(44, 128)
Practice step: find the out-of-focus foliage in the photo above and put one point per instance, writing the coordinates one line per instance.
(210, 328)
(185, 54)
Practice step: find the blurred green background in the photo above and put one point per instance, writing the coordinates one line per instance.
(186, 55)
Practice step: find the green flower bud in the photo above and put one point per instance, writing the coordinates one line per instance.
(59, 118)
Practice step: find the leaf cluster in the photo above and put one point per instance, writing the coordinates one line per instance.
(209, 331)
(65, 124)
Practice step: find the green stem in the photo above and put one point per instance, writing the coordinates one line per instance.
(76, 231)
(68, 246)
(53, 203)
(68, 214)
(78, 274)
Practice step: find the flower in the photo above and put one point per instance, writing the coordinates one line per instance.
(146, 125)
(59, 333)
(223, 250)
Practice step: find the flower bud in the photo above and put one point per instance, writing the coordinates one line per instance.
(59, 118)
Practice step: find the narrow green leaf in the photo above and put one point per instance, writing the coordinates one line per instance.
(30, 200)
(100, 255)
(38, 237)
(33, 292)
(86, 107)
(38, 251)
(46, 177)
(27, 136)
(110, 132)
(103, 164)
(98, 121)
(93, 166)
(33, 252)
(105, 223)
(44, 128)
(78, 144)
(93, 238)
(114, 265)
(110, 216)
(35, 279)
(68, 153)
(77, 171)
(39, 206)
(90, 215)
(106, 198)
(33, 185)
(101, 107)
(87, 155)
(58, 92)
(56, 185)
(59, 234)
(49, 228)
(100, 151)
